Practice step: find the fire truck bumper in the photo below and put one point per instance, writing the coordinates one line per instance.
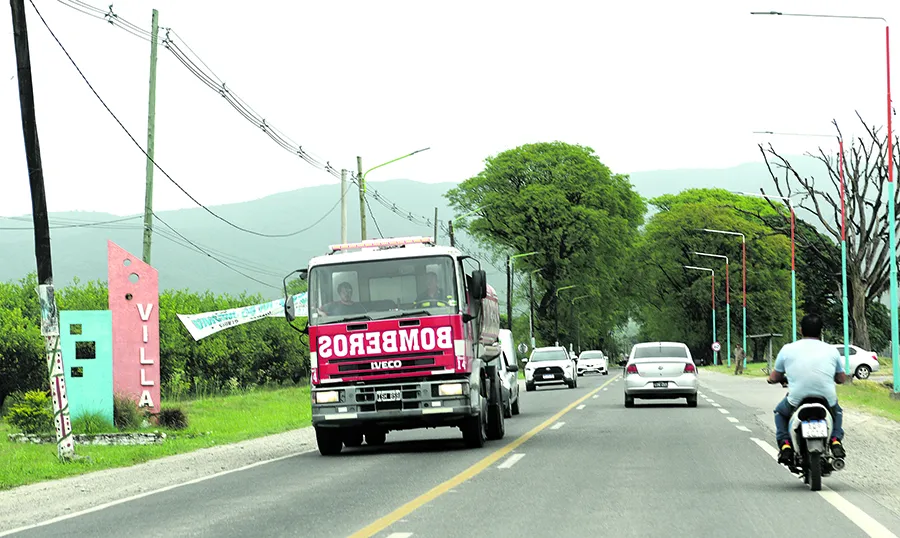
(393, 406)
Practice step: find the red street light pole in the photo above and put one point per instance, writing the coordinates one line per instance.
(844, 302)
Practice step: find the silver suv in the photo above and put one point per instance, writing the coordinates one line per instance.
(549, 366)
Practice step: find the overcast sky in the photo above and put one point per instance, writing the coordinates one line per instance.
(648, 84)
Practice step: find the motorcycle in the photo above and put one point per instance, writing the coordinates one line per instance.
(810, 427)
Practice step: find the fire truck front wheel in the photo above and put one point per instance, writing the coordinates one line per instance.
(474, 428)
(330, 441)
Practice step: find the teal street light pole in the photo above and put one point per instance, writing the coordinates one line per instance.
(577, 322)
(892, 210)
(715, 353)
(793, 254)
(556, 308)
(531, 306)
(727, 302)
(744, 277)
(509, 284)
(362, 187)
(842, 189)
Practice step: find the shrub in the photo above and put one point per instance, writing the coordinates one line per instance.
(126, 414)
(172, 417)
(91, 423)
(31, 413)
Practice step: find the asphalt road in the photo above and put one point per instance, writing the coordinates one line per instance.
(597, 469)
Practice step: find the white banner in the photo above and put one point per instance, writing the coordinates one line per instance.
(203, 325)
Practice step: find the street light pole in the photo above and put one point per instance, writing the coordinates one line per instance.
(556, 309)
(842, 188)
(727, 302)
(744, 278)
(578, 323)
(362, 187)
(892, 210)
(531, 307)
(509, 283)
(793, 254)
(715, 353)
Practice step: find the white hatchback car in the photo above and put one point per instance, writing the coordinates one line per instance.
(862, 362)
(660, 370)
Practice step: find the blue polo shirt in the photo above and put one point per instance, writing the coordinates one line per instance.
(810, 366)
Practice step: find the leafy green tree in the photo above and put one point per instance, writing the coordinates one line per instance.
(559, 200)
(673, 303)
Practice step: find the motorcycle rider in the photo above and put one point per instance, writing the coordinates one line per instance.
(813, 367)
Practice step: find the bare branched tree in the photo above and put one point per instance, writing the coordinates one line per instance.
(865, 177)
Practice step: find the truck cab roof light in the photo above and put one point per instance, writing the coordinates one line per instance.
(383, 243)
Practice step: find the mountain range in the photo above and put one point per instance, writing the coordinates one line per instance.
(194, 256)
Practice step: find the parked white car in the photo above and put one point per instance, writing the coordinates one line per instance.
(592, 361)
(862, 362)
(509, 374)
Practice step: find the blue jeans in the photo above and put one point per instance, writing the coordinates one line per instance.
(783, 412)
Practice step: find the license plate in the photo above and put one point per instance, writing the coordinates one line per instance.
(660, 384)
(388, 396)
(549, 376)
(814, 428)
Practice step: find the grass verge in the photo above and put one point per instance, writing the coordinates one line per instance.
(753, 369)
(228, 419)
(869, 396)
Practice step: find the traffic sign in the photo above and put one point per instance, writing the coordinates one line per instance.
(716, 346)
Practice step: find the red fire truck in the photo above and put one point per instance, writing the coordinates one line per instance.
(403, 334)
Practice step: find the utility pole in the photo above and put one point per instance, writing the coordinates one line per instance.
(530, 312)
(435, 226)
(362, 199)
(344, 206)
(450, 229)
(65, 447)
(509, 292)
(151, 132)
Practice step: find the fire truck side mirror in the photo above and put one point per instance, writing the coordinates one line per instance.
(479, 284)
(289, 311)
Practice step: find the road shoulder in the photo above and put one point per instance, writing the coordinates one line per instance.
(34, 503)
(873, 461)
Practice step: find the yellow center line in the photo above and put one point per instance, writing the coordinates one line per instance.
(398, 514)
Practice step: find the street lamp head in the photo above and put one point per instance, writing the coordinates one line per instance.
(766, 13)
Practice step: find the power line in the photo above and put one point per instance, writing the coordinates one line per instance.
(214, 82)
(176, 232)
(372, 214)
(138, 145)
(80, 225)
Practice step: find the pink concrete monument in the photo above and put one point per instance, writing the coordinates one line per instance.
(134, 302)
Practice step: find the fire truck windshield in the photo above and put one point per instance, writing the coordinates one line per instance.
(382, 289)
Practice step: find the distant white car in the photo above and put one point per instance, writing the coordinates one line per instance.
(661, 370)
(862, 362)
(592, 361)
(550, 365)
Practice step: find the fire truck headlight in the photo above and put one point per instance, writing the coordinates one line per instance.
(450, 389)
(327, 396)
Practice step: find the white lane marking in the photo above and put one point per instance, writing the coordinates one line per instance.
(557, 426)
(510, 461)
(604, 390)
(723, 411)
(597, 395)
(732, 419)
(399, 535)
(743, 428)
(149, 493)
(710, 400)
(580, 407)
(864, 521)
(714, 404)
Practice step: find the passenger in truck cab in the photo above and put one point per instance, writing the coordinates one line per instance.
(433, 295)
(345, 305)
